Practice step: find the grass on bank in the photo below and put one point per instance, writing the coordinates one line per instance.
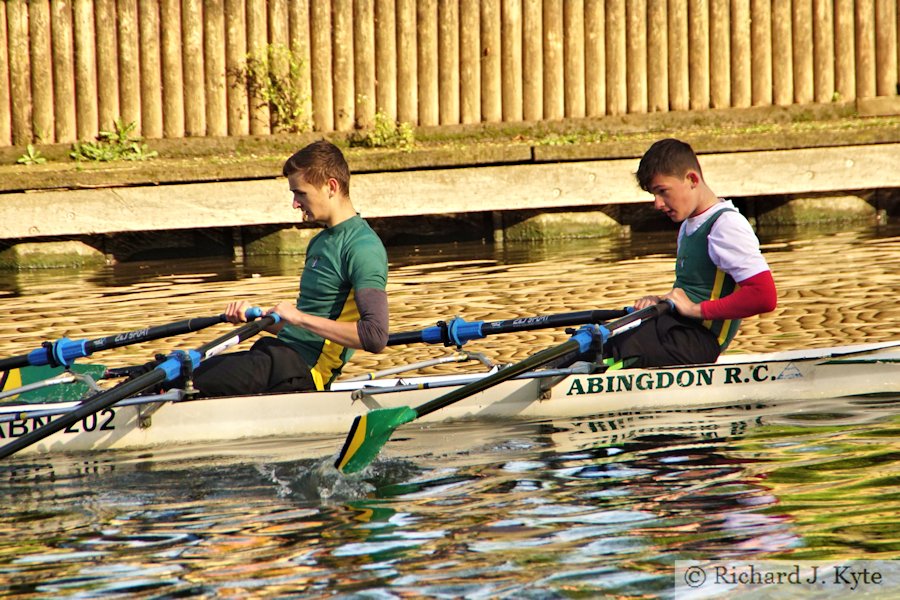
(715, 130)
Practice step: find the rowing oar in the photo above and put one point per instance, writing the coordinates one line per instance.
(372, 430)
(457, 331)
(63, 351)
(165, 371)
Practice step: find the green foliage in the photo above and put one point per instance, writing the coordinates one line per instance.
(572, 138)
(113, 145)
(386, 133)
(566, 139)
(32, 156)
(271, 80)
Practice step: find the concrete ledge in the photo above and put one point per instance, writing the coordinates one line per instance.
(262, 241)
(878, 107)
(530, 226)
(40, 255)
(533, 186)
(831, 209)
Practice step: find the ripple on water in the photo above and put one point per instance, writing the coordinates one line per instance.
(511, 522)
(821, 302)
(503, 509)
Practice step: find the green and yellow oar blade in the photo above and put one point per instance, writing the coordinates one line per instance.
(368, 434)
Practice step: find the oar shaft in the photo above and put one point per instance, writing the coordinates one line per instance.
(172, 365)
(457, 331)
(166, 371)
(94, 405)
(367, 392)
(370, 431)
(63, 351)
(634, 319)
(580, 341)
(16, 362)
(153, 333)
(536, 360)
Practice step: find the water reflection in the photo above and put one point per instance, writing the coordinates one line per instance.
(822, 300)
(543, 508)
(550, 508)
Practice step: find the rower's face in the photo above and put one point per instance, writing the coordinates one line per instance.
(675, 196)
(313, 201)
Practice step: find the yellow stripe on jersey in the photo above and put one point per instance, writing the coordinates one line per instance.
(330, 358)
(715, 294)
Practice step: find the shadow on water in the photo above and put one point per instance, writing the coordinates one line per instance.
(121, 275)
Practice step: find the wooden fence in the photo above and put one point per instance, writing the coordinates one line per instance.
(70, 68)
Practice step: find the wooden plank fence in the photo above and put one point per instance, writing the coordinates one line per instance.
(175, 68)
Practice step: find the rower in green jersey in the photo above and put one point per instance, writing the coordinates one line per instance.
(339, 261)
(342, 304)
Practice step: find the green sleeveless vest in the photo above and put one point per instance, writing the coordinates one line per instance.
(701, 280)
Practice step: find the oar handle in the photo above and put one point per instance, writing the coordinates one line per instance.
(634, 319)
(173, 364)
(458, 331)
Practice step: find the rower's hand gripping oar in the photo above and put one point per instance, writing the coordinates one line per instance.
(166, 371)
(371, 431)
(458, 331)
(63, 351)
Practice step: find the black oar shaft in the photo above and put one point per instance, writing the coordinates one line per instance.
(370, 431)
(154, 333)
(63, 351)
(238, 335)
(536, 360)
(637, 317)
(583, 317)
(13, 362)
(165, 371)
(541, 358)
(444, 334)
(94, 405)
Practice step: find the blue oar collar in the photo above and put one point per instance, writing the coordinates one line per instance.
(455, 332)
(60, 353)
(175, 362)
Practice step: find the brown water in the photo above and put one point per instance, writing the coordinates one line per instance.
(834, 288)
(595, 507)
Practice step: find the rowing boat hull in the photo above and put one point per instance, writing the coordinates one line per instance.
(771, 377)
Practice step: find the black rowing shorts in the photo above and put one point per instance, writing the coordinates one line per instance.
(270, 365)
(667, 340)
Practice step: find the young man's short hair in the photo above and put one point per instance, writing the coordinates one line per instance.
(666, 157)
(319, 162)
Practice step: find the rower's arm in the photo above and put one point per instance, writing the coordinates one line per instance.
(369, 333)
(340, 332)
(756, 295)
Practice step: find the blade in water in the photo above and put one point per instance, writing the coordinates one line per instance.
(368, 434)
